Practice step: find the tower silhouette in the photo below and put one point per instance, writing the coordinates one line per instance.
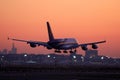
(13, 49)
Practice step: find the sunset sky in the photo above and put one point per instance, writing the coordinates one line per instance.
(85, 20)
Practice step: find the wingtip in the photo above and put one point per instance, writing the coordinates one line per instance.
(104, 41)
(8, 38)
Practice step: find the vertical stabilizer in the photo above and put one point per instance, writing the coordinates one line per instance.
(51, 37)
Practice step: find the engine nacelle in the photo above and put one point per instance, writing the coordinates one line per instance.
(84, 48)
(94, 46)
(32, 45)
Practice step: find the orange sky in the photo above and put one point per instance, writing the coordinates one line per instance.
(85, 20)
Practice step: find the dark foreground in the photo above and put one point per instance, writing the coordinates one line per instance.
(81, 72)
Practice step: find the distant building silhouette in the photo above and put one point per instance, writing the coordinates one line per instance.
(13, 49)
(4, 51)
(91, 53)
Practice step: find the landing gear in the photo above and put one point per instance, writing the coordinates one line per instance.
(65, 51)
(73, 51)
(57, 51)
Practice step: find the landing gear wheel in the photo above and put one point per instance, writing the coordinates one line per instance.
(57, 51)
(75, 51)
(65, 51)
(71, 51)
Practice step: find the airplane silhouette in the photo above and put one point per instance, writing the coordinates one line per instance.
(59, 44)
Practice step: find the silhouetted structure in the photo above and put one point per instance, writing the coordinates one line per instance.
(13, 49)
(91, 53)
(4, 51)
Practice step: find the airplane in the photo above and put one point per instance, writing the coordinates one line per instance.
(64, 44)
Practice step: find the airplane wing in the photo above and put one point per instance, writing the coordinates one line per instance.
(31, 42)
(94, 46)
(93, 43)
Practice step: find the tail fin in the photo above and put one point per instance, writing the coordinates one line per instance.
(51, 37)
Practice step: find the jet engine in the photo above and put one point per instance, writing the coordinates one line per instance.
(84, 48)
(33, 45)
(94, 46)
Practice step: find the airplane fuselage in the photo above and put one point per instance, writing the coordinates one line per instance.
(63, 44)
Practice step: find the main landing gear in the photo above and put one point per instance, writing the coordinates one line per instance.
(73, 51)
(65, 51)
(57, 51)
